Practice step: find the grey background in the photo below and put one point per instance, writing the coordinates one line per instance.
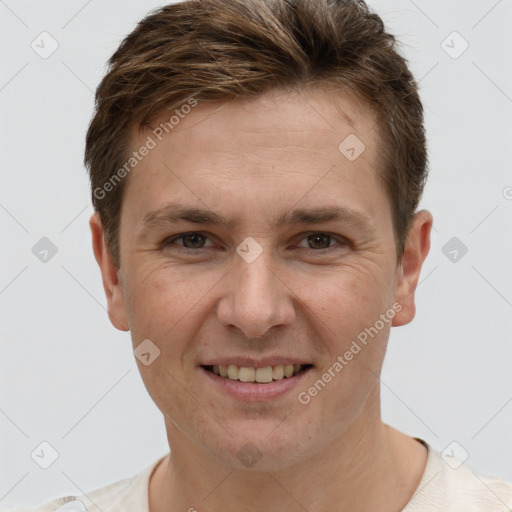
(70, 379)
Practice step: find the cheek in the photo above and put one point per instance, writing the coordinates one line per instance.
(159, 299)
(346, 312)
(169, 306)
(349, 298)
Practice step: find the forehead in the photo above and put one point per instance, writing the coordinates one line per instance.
(300, 119)
(286, 141)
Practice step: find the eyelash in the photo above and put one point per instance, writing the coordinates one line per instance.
(342, 241)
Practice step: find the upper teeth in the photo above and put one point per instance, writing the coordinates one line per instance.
(262, 375)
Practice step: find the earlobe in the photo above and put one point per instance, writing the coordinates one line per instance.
(109, 275)
(417, 246)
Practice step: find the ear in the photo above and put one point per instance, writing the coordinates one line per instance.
(109, 274)
(416, 249)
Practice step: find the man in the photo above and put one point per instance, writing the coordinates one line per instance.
(256, 168)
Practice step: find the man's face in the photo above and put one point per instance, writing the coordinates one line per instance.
(260, 293)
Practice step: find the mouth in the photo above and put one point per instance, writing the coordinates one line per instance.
(261, 375)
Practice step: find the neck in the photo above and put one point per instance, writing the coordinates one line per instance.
(370, 467)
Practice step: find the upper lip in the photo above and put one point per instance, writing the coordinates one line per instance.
(251, 362)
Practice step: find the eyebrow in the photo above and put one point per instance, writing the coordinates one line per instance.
(172, 213)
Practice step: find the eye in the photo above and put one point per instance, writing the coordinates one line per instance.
(196, 240)
(320, 241)
(193, 240)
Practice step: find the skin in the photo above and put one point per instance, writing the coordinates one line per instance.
(199, 299)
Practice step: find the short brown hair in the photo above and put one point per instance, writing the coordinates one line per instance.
(219, 50)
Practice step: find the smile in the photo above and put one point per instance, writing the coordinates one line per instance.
(263, 375)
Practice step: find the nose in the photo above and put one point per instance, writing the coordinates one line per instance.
(256, 298)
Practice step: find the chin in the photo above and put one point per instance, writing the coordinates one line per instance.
(263, 446)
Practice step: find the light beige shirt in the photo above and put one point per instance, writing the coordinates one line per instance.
(442, 489)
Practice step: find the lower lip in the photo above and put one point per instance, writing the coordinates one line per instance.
(253, 391)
